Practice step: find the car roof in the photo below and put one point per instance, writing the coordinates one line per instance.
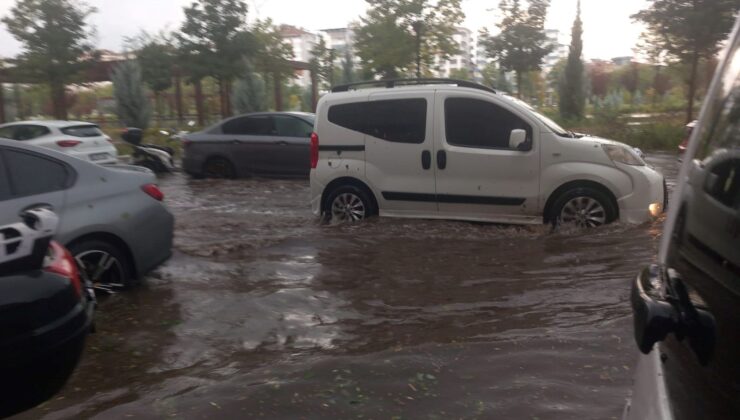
(48, 123)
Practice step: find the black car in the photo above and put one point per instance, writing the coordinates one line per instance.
(687, 307)
(46, 311)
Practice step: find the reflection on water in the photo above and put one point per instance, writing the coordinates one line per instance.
(264, 312)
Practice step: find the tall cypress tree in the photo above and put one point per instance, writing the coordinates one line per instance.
(572, 95)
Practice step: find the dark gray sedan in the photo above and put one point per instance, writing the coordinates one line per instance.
(267, 143)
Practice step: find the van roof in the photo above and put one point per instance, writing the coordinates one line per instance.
(397, 83)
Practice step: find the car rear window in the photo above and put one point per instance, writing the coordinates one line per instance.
(82, 131)
(396, 120)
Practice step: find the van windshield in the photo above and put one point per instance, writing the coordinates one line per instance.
(552, 125)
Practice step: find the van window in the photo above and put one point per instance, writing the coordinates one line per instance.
(481, 124)
(395, 120)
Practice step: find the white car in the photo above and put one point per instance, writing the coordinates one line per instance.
(79, 139)
(457, 150)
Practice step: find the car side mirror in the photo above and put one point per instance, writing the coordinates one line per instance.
(517, 139)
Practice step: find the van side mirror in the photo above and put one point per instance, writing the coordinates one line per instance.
(517, 139)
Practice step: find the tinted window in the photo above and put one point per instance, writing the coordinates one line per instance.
(292, 127)
(31, 174)
(4, 184)
(399, 120)
(7, 132)
(481, 124)
(82, 131)
(27, 132)
(255, 125)
(723, 183)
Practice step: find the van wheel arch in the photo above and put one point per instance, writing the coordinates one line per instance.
(340, 182)
(546, 213)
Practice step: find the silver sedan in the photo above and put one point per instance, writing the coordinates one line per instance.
(265, 143)
(112, 218)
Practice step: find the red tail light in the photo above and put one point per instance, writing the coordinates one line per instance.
(68, 143)
(153, 191)
(63, 264)
(186, 142)
(314, 150)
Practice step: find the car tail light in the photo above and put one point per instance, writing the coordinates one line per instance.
(153, 191)
(186, 142)
(68, 143)
(63, 264)
(314, 150)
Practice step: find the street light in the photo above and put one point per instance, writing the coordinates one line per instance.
(418, 29)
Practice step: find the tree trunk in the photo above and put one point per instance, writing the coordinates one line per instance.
(519, 84)
(178, 96)
(158, 106)
(277, 82)
(59, 100)
(2, 104)
(199, 102)
(19, 114)
(692, 86)
(227, 97)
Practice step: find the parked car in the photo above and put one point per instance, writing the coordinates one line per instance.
(79, 139)
(457, 150)
(687, 306)
(46, 312)
(112, 217)
(266, 143)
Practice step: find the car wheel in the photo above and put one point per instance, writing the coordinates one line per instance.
(584, 207)
(218, 167)
(349, 204)
(103, 264)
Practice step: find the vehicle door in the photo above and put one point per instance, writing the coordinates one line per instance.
(293, 143)
(31, 180)
(250, 143)
(478, 175)
(701, 256)
(399, 146)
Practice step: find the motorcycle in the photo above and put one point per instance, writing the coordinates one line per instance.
(157, 158)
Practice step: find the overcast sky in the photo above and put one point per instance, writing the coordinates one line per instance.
(608, 30)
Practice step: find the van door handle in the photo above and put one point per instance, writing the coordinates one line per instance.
(426, 159)
(441, 159)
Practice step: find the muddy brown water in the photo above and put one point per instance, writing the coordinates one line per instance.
(264, 313)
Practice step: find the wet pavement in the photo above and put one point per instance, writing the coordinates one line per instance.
(265, 313)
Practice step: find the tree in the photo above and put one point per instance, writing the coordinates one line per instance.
(271, 57)
(688, 31)
(522, 44)
(156, 57)
(572, 95)
(249, 92)
(214, 39)
(57, 43)
(348, 67)
(599, 75)
(322, 62)
(132, 105)
(396, 34)
(461, 74)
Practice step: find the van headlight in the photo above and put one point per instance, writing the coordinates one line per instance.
(623, 154)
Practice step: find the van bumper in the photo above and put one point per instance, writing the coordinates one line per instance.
(647, 201)
(317, 189)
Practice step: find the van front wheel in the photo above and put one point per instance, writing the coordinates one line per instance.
(584, 207)
(349, 204)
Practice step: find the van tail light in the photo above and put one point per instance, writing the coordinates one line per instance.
(153, 191)
(63, 264)
(68, 143)
(314, 150)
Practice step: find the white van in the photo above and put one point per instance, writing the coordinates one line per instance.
(447, 149)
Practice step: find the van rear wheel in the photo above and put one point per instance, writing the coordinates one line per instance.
(349, 204)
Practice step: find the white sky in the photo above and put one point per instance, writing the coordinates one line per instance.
(608, 30)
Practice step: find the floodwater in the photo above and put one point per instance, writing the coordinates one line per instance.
(263, 312)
